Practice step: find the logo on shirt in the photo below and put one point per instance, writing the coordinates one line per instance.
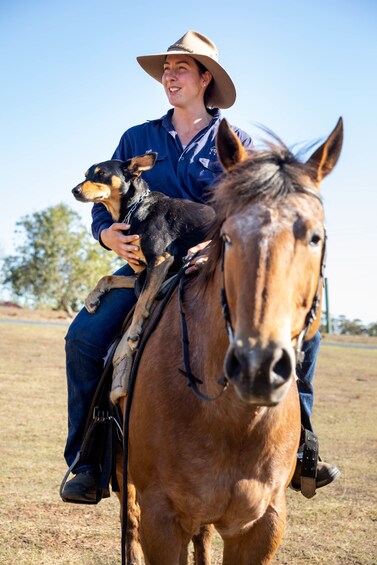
(213, 150)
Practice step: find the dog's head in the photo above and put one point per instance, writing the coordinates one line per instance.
(110, 181)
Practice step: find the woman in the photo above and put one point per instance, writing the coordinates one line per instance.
(196, 87)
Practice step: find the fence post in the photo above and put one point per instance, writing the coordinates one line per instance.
(328, 315)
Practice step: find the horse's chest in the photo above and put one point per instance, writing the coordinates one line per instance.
(248, 501)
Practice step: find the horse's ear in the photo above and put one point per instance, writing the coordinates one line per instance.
(137, 165)
(324, 159)
(229, 148)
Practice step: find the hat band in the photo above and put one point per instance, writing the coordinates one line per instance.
(181, 47)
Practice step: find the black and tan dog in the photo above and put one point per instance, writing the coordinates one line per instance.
(167, 227)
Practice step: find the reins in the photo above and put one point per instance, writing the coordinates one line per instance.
(187, 372)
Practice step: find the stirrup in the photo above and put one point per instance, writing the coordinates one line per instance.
(304, 479)
(309, 464)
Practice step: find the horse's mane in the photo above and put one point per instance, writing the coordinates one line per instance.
(267, 176)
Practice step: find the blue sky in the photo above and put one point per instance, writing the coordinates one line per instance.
(70, 86)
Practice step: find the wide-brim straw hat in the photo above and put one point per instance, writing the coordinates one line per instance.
(201, 48)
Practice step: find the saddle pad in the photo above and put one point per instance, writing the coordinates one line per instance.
(120, 382)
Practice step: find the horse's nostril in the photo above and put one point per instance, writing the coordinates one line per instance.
(232, 364)
(283, 366)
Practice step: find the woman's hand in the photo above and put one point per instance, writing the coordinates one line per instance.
(198, 262)
(114, 238)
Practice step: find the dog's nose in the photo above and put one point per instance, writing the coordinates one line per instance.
(77, 190)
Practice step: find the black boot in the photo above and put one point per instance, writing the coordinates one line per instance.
(82, 489)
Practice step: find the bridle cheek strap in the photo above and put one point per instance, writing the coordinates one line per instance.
(224, 300)
(312, 314)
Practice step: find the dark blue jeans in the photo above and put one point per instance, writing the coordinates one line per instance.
(88, 340)
(305, 375)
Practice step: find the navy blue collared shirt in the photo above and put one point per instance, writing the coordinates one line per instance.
(180, 172)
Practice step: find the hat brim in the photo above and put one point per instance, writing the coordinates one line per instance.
(223, 92)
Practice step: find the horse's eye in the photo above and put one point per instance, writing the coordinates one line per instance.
(315, 239)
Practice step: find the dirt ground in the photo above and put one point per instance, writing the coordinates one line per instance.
(338, 526)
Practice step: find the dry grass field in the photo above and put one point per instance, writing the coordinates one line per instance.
(337, 527)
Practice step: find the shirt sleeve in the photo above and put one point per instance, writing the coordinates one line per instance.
(245, 138)
(124, 149)
(101, 219)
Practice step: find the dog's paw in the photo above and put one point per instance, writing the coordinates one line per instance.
(91, 304)
(133, 341)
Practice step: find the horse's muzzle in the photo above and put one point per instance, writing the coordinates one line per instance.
(261, 375)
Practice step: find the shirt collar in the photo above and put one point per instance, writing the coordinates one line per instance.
(166, 120)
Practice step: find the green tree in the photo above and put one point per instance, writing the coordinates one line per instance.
(351, 327)
(372, 329)
(56, 262)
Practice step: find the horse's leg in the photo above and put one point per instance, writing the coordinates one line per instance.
(202, 545)
(134, 551)
(162, 538)
(259, 544)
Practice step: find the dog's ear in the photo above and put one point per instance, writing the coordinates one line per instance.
(137, 165)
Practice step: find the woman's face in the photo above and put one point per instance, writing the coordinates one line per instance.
(183, 83)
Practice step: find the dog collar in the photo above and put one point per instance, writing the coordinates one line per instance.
(134, 207)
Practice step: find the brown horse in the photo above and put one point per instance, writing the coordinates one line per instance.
(228, 462)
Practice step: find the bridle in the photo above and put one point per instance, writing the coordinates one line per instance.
(312, 314)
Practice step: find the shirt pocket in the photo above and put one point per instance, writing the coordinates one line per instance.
(157, 176)
(160, 158)
(209, 171)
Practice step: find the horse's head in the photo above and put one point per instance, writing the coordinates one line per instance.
(270, 238)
